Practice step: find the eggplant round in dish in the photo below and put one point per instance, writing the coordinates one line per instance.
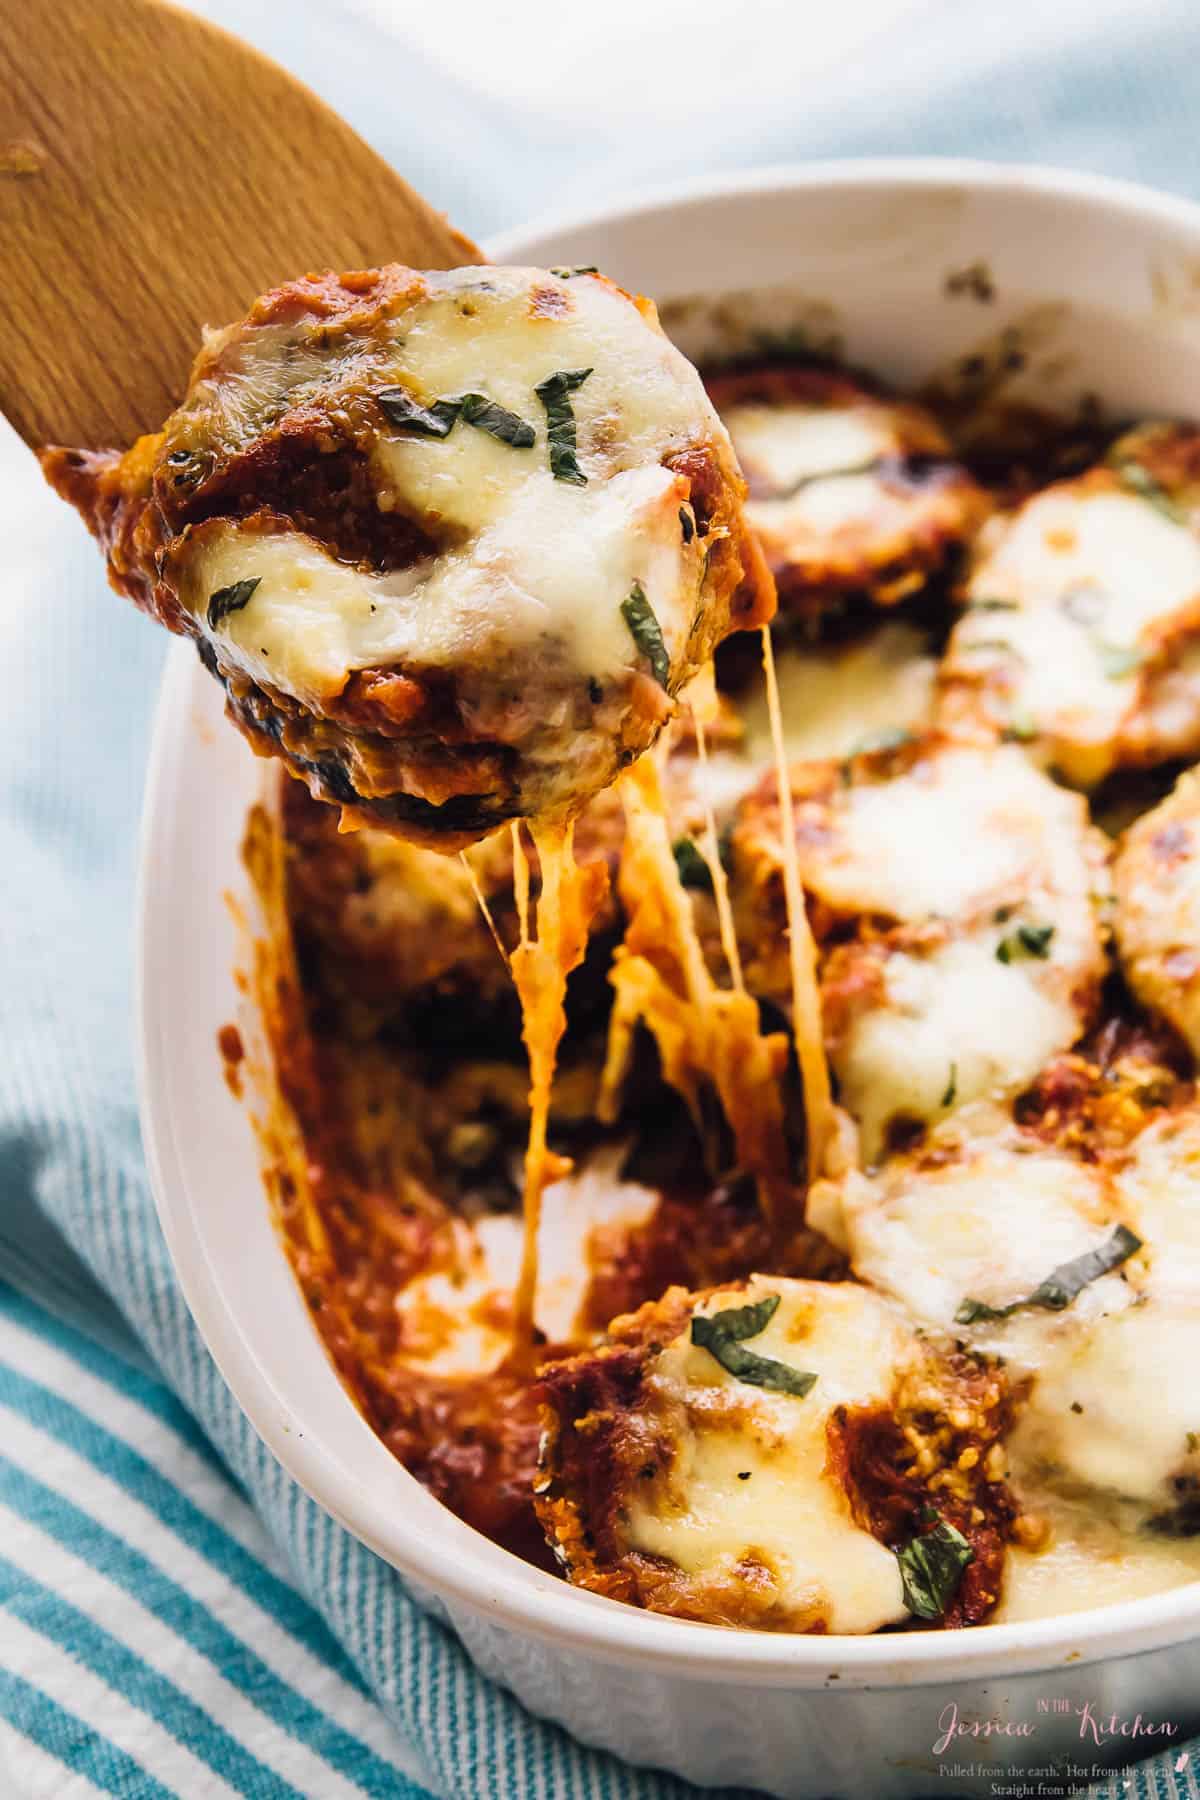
(451, 542)
(852, 491)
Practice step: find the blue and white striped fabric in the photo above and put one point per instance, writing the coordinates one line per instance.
(176, 1618)
(153, 1640)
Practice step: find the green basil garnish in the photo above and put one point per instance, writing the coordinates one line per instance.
(687, 524)
(1138, 479)
(1026, 940)
(723, 1337)
(436, 420)
(1063, 1284)
(439, 418)
(577, 269)
(951, 1093)
(555, 395)
(646, 633)
(487, 415)
(230, 599)
(993, 603)
(931, 1569)
(694, 871)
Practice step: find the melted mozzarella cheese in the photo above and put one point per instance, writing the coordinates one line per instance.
(1090, 574)
(1115, 1407)
(782, 446)
(552, 571)
(989, 1226)
(959, 829)
(957, 1024)
(1125, 562)
(812, 474)
(790, 1513)
(456, 1321)
(836, 698)
(525, 561)
(829, 505)
(1094, 1557)
(1160, 1187)
(992, 876)
(643, 399)
(1157, 922)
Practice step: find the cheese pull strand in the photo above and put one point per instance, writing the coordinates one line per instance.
(710, 847)
(807, 1029)
(485, 909)
(707, 1036)
(566, 905)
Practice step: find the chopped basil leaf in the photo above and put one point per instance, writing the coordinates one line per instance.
(931, 1568)
(595, 691)
(436, 420)
(1193, 1442)
(577, 269)
(439, 418)
(722, 1336)
(993, 603)
(487, 415)
(554, 394)
(694, 872)
(1063, 1284)
(230, 599)
(1118, 660)
(687, 524)
(1026, 940)
(646, 633)
(1138, 479)
(948, 1098)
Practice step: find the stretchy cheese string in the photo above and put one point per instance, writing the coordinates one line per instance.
(802, 952)
(483, 906)
(711, 851)
(566, 905)
(520, 883)
(707, 1036)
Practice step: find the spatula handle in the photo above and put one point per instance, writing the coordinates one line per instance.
(155, 175)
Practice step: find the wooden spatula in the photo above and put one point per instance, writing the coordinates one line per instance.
(155, 175)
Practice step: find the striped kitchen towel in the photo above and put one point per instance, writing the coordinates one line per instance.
(153, 1641)
(176, 1617)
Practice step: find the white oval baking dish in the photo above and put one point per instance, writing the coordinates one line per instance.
(1104, 280)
